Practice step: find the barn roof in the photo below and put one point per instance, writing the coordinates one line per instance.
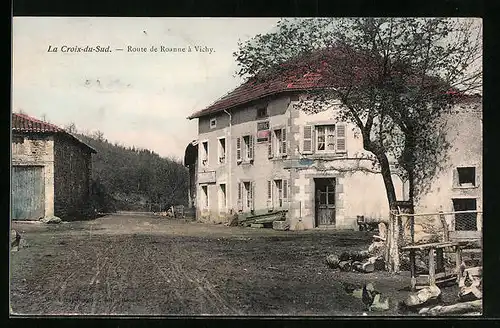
(26, 124)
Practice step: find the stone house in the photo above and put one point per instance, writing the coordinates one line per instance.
(51, 171)
(259, 153)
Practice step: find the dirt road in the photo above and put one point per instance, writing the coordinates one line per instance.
(156, 266)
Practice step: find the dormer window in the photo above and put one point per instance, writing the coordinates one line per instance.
(262, 112)
(213, 123)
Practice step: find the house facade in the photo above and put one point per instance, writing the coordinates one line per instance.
(258, 152)
(51, 171)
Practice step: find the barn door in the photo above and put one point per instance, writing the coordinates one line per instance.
(28, 193)
(325, 202)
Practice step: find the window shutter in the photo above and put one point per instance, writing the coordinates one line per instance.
(307, 146)
(455, 177)
(238, 149)
(250, 147)
(269, 194)
(285, 189)
(283, 140)
(270, 145)
(341, 142)
(252, 195)
(240, 202)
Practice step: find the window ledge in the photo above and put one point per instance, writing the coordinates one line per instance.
(465, 187)
(278, 158)
(326, 155)
(247, 162)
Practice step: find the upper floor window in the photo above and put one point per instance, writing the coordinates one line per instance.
(213, 123)
(324, 139)
(244, 148)
(262, 112)
(278, 143)
(466, 176)
(204, 153)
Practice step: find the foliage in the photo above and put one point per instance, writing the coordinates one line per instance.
(129, 178)
(395, 79)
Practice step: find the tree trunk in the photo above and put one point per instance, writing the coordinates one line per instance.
(459, 308)
(387, 177)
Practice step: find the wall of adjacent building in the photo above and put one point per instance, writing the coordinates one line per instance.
(464, 134)
(37, 150)
(72, 171)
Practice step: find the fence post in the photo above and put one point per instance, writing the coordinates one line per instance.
(445, 226)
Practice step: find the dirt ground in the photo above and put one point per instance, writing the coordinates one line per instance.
(140, 265)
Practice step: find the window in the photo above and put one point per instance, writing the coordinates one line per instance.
(262, 112)
(280, 192)
(204, 190)
(466, 176)
(222, 197)
(213, 123)
(324, 139)
(279, 145)
(244, 152)
(222, 150)
(246, 196)
(465, 221)
(204, 154)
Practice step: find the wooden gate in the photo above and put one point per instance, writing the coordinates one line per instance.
(28, 193)
(325, 201)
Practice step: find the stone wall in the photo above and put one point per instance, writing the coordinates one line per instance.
(72, 171)
(37, 150)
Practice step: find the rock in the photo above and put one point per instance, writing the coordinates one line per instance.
(256, 225)
(281, 225)
(358, 293)
(332, 261)
(376, 248)
(423, 297)
(345, 265)
(51, 220)
(379, 305)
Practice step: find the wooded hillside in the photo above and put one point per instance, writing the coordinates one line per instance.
(128, 178)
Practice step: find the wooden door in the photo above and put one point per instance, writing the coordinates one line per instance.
(28, 193)
(325, 202)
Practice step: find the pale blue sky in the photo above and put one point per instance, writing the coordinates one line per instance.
(141, 99)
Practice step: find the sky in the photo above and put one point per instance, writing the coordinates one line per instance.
(139, 99)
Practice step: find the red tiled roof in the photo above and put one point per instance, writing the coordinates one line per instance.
(253, 90)
(303, 73)
(28, 124)
(25, 123)
(319, 70)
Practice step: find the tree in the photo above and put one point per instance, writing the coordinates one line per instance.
(71, 128)
(393, 77)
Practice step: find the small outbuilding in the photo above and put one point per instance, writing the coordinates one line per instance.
(51, 171)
